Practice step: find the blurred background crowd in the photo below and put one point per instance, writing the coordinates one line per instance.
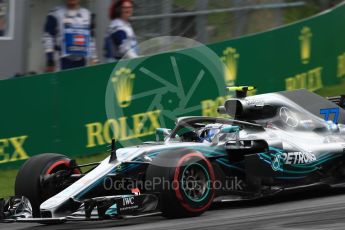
(23, 26)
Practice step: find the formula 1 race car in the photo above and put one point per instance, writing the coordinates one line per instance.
(272, 143)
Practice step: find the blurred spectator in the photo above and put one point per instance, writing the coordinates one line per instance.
(327, 4)
(69, 31)
(3, 15)
(120, 41)
(2, 26)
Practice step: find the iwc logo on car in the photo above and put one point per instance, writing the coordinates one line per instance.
(123, 81)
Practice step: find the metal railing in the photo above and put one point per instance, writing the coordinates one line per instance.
(214, 11)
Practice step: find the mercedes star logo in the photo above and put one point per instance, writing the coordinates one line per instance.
(287, 117)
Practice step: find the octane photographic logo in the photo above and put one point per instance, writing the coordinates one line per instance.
(231, 184)
(152, 91)
(305, 44)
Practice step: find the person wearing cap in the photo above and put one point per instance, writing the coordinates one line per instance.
(69, 32)
(120, 41)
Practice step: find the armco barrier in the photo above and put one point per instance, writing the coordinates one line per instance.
(77, 112)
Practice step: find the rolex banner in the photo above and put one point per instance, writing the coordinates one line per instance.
(78, 112)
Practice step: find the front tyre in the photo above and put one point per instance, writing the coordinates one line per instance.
(28, 180)
(184, 179)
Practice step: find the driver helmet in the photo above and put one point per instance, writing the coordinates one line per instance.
(209, 132)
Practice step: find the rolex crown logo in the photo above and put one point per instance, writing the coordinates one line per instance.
(123, 81)
(305, 43)
(230, 59)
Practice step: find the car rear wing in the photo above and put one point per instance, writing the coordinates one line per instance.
(339, 100)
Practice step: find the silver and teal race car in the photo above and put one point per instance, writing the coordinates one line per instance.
(260, 146)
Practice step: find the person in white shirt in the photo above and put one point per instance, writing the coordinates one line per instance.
(120, 41)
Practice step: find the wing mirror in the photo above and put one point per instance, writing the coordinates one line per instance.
(230, 129)
(162, 132)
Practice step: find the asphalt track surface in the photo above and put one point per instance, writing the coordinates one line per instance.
(308, 210)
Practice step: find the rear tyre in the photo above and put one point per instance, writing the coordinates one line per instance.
(28, 180)
(184, 180)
